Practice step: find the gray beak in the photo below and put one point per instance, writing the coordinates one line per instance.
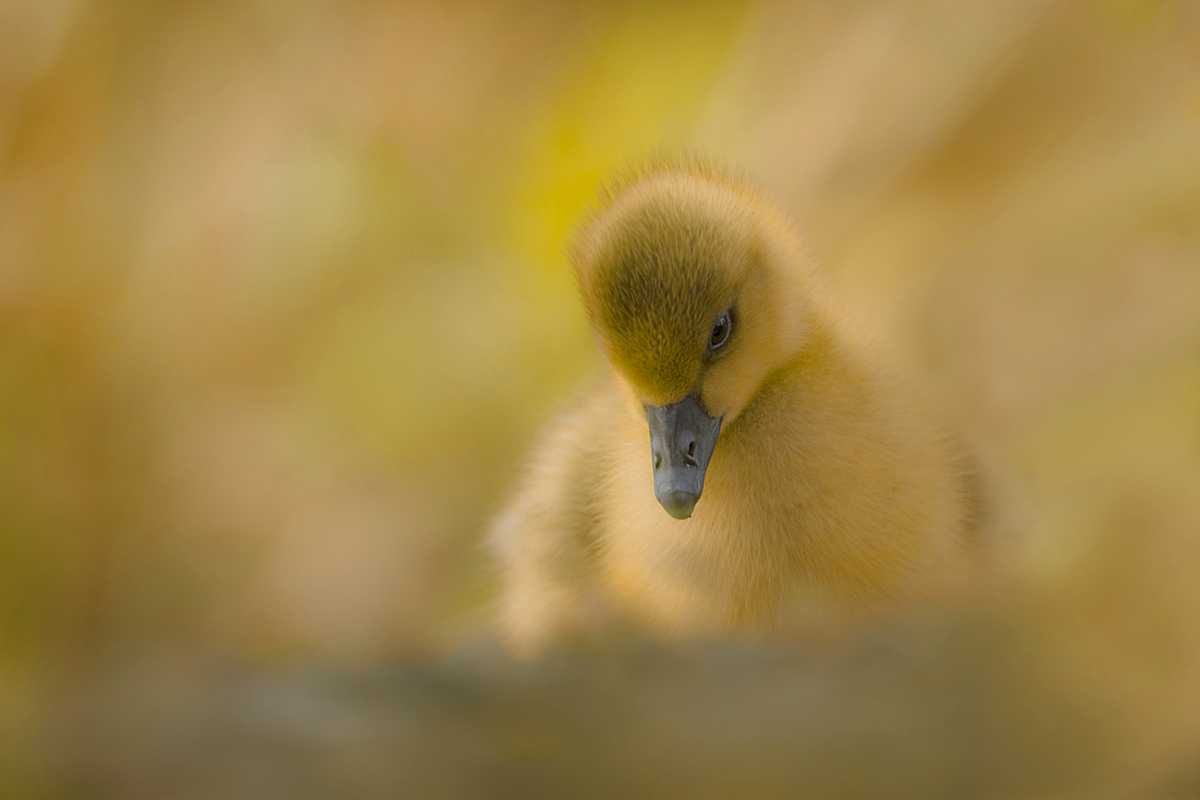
(682, 438)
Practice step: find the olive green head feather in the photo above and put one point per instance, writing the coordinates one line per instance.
(663, 258)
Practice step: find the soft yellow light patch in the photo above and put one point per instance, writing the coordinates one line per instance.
(636, 90)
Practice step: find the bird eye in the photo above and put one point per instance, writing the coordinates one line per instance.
(720, 332)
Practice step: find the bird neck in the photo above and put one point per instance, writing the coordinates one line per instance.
(821, 384)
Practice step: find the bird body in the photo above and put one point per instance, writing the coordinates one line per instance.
(824, 482)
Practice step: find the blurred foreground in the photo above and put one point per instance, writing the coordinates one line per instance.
(271, 277)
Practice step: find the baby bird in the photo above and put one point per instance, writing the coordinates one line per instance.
(742, 454)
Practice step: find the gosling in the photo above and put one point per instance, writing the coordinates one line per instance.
(782, 465)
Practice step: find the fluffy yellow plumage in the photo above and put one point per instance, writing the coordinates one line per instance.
(826, 485)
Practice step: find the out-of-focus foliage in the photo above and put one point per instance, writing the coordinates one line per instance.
(283, 299)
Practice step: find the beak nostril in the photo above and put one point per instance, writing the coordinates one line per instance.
(657, 460)
(689, 459)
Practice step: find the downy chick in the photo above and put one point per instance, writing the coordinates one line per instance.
(742, 453)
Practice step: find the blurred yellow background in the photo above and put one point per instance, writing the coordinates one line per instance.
(284, 299)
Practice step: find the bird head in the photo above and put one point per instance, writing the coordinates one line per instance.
(689, 280)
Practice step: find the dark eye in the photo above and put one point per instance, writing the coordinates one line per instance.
(721, 331)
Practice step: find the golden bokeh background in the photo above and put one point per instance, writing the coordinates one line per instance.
(284, 299)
